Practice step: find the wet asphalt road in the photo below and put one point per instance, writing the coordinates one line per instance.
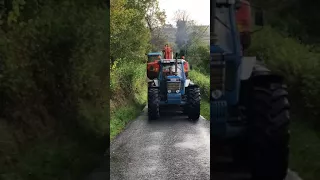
(171, 147)
(166, 149)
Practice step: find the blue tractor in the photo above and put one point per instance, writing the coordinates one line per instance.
(249, 103)
(169, 85)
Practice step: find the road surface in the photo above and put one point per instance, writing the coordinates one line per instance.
(171, 147)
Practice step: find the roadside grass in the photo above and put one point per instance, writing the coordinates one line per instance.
(205, 109)
(129, 94)
(121, 117)
(304, 149)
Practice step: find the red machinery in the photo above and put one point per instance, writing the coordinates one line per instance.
(243, 18)
(153, 69)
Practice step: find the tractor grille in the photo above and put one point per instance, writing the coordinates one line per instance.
(217, 74)
(173, 86)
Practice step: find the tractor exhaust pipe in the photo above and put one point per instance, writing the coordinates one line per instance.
(176, 66)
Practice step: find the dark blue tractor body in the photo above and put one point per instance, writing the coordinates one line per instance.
(172, 87)
(225, 66)
(248, 103)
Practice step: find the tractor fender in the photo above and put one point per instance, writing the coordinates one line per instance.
(261, 74)
(257, 71)
(153, 83)
(187, 83)
(247, 66)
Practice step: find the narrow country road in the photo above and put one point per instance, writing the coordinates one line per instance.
(171, 147)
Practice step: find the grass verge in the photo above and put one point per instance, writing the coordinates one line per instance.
(122, 116)
(129, 95)
(304, 149)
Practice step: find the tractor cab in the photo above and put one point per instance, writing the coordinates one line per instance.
(154, 56)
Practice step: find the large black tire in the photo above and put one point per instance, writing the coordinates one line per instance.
(185, 110)
(153, 103)
(269, 132)
(193, 102)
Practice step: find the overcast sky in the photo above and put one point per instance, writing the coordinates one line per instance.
(198, 10)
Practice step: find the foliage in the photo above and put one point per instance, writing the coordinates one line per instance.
(129, 94)
(53, 82)
(296, 62)
(201, 80)
(199, 57)
(134, 24)
(129, 34)
(296, 17)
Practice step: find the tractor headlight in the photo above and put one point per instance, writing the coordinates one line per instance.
(169, 91)
(177, 91)
(216, 94)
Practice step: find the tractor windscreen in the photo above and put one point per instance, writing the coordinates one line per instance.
(169, 69)
(223, 29)
(152, 58)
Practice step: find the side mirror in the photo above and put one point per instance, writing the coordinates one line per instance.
(259, 18)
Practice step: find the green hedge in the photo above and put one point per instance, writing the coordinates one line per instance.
(295, 61)
(53, 82)
(129, 93)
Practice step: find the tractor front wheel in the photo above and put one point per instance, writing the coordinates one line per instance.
(193, 102)
(153, 103)
(268, 132)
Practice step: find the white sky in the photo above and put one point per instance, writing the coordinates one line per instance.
(198, 10)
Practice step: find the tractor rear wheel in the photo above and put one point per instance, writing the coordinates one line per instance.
(193, 102)
(153, 103)
(268, 132)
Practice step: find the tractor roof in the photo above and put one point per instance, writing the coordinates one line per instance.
(154, 53)
(172, 61)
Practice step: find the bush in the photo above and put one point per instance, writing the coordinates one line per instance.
(129, 93)
(203, 81)
(295, 61)
(54, 62)
(54, 84)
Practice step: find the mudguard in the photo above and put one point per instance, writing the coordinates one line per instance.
(261, 74)
(153, 83)
(188, 82)
(257, 71)
(247, 65)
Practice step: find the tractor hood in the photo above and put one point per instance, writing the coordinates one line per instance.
(174, 78)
